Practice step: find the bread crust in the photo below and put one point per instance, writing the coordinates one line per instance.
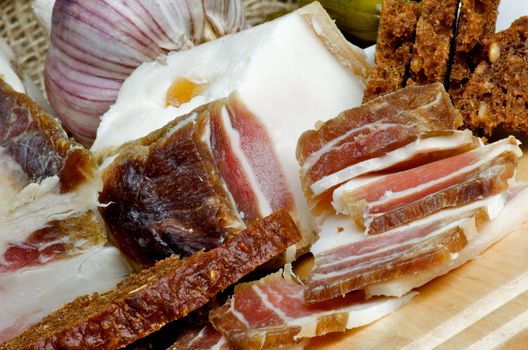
(146, 301)
(434, 32)
(476, 24)
(497, 93)
(393, 48)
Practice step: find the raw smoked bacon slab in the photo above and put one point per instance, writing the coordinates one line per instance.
(189, 185)
(146, 301)
(34, 149)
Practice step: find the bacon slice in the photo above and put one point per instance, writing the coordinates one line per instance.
(146, 301)
(402, 197)
(246, 159)
(273, 312)
(205, 338)
(372, 130)
(506, 217)
(401, 252)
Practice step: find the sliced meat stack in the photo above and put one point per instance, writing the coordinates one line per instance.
(389, 205)
(52, 242)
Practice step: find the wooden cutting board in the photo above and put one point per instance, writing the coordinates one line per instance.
(481, 305)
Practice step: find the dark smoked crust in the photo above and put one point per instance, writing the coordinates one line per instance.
(165, 196)
(37, 142)
(146, 301)
(393, 47)
(434, 32)
(476, 25)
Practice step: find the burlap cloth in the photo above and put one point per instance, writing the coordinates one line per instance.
(28, 39)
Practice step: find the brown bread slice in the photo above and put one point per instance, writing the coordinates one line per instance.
(434, 32)
(497, 93)
(146, 301)
(393, 47)
(476, 24)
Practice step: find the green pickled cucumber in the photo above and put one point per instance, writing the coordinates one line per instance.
(358, 19)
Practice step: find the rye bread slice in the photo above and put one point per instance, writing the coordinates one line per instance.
(476, 24)
(497, 93)
(146, 301)
(434, 31)
(393, 48)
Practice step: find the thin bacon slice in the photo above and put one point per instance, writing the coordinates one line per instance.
(246, 160)
(401, 252)
(205, 338)
(372, 130)
(402, 197)
(230, 168)
(273, 312)
(512, 214)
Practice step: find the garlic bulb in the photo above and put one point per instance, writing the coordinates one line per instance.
(96, 44)
(43, 9)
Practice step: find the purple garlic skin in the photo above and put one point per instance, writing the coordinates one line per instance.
(95, 45)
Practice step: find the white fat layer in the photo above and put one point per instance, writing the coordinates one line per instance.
(330, 237)
(278, 68)
(37, 204)
(7, 73)
(29, 294)
(262, 63)
(291, 253)
(407, 152)
(264, 207)
(489, 152)
(336, 231)
(376, 309)
(360, 314)
(466, 224)
(512, 216)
